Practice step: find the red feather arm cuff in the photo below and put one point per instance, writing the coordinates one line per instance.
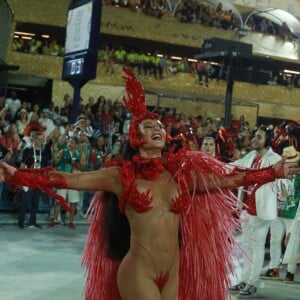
(256, 176)
(41, 179)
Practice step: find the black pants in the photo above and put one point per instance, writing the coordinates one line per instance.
(29, 201)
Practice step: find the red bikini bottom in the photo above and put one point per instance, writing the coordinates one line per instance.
(161, 280)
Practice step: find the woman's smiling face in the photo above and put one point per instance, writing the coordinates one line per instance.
(152, 133)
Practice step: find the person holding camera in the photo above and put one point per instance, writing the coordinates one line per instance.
(115, 151)
(69, 159)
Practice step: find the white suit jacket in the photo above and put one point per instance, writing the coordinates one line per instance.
(266, 195)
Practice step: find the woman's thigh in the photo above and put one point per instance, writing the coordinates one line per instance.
(134, 283)
(170, 290)
(145, 289)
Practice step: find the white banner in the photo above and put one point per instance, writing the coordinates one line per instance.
(78, 28)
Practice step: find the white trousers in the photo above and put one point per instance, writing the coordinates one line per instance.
(278, 227)
(254, 233)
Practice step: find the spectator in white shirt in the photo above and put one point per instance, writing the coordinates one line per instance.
(46, 122)
(12, 104)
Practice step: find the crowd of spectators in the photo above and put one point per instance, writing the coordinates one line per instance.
(101, 121)
(186, 11)
(101, 124)
(144, 63)
(161, 65)
(38, 46)
(264, 25)
(156, 64)
(155, 8)
(196, 12)
(190, 11)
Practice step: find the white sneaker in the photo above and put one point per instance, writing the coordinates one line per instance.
(248, 291)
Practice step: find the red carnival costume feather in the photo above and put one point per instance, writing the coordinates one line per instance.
(101, 282)
(135, 102)
(42, 179)
(207, 226)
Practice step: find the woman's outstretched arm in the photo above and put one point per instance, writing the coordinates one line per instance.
(247, 177)
(45, 179)
(106, 179)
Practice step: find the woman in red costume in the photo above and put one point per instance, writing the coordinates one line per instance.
(162, 227)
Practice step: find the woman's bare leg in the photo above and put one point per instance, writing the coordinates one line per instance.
(145, 289)
(170, 290)
(135, 281)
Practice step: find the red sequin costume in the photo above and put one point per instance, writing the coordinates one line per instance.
(206, 218)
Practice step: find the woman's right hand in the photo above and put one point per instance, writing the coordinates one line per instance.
(6, 171)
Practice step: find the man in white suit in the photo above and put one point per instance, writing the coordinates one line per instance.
(260, 210)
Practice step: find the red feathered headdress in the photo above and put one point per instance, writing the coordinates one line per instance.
(136, 104)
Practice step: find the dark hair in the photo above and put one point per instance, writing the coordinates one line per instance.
(209, 136)
(128, 151)
(75, 139)
(117, 228)
(268, 135)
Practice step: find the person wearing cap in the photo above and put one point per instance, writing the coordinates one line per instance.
(288, 204)
(162, 227)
